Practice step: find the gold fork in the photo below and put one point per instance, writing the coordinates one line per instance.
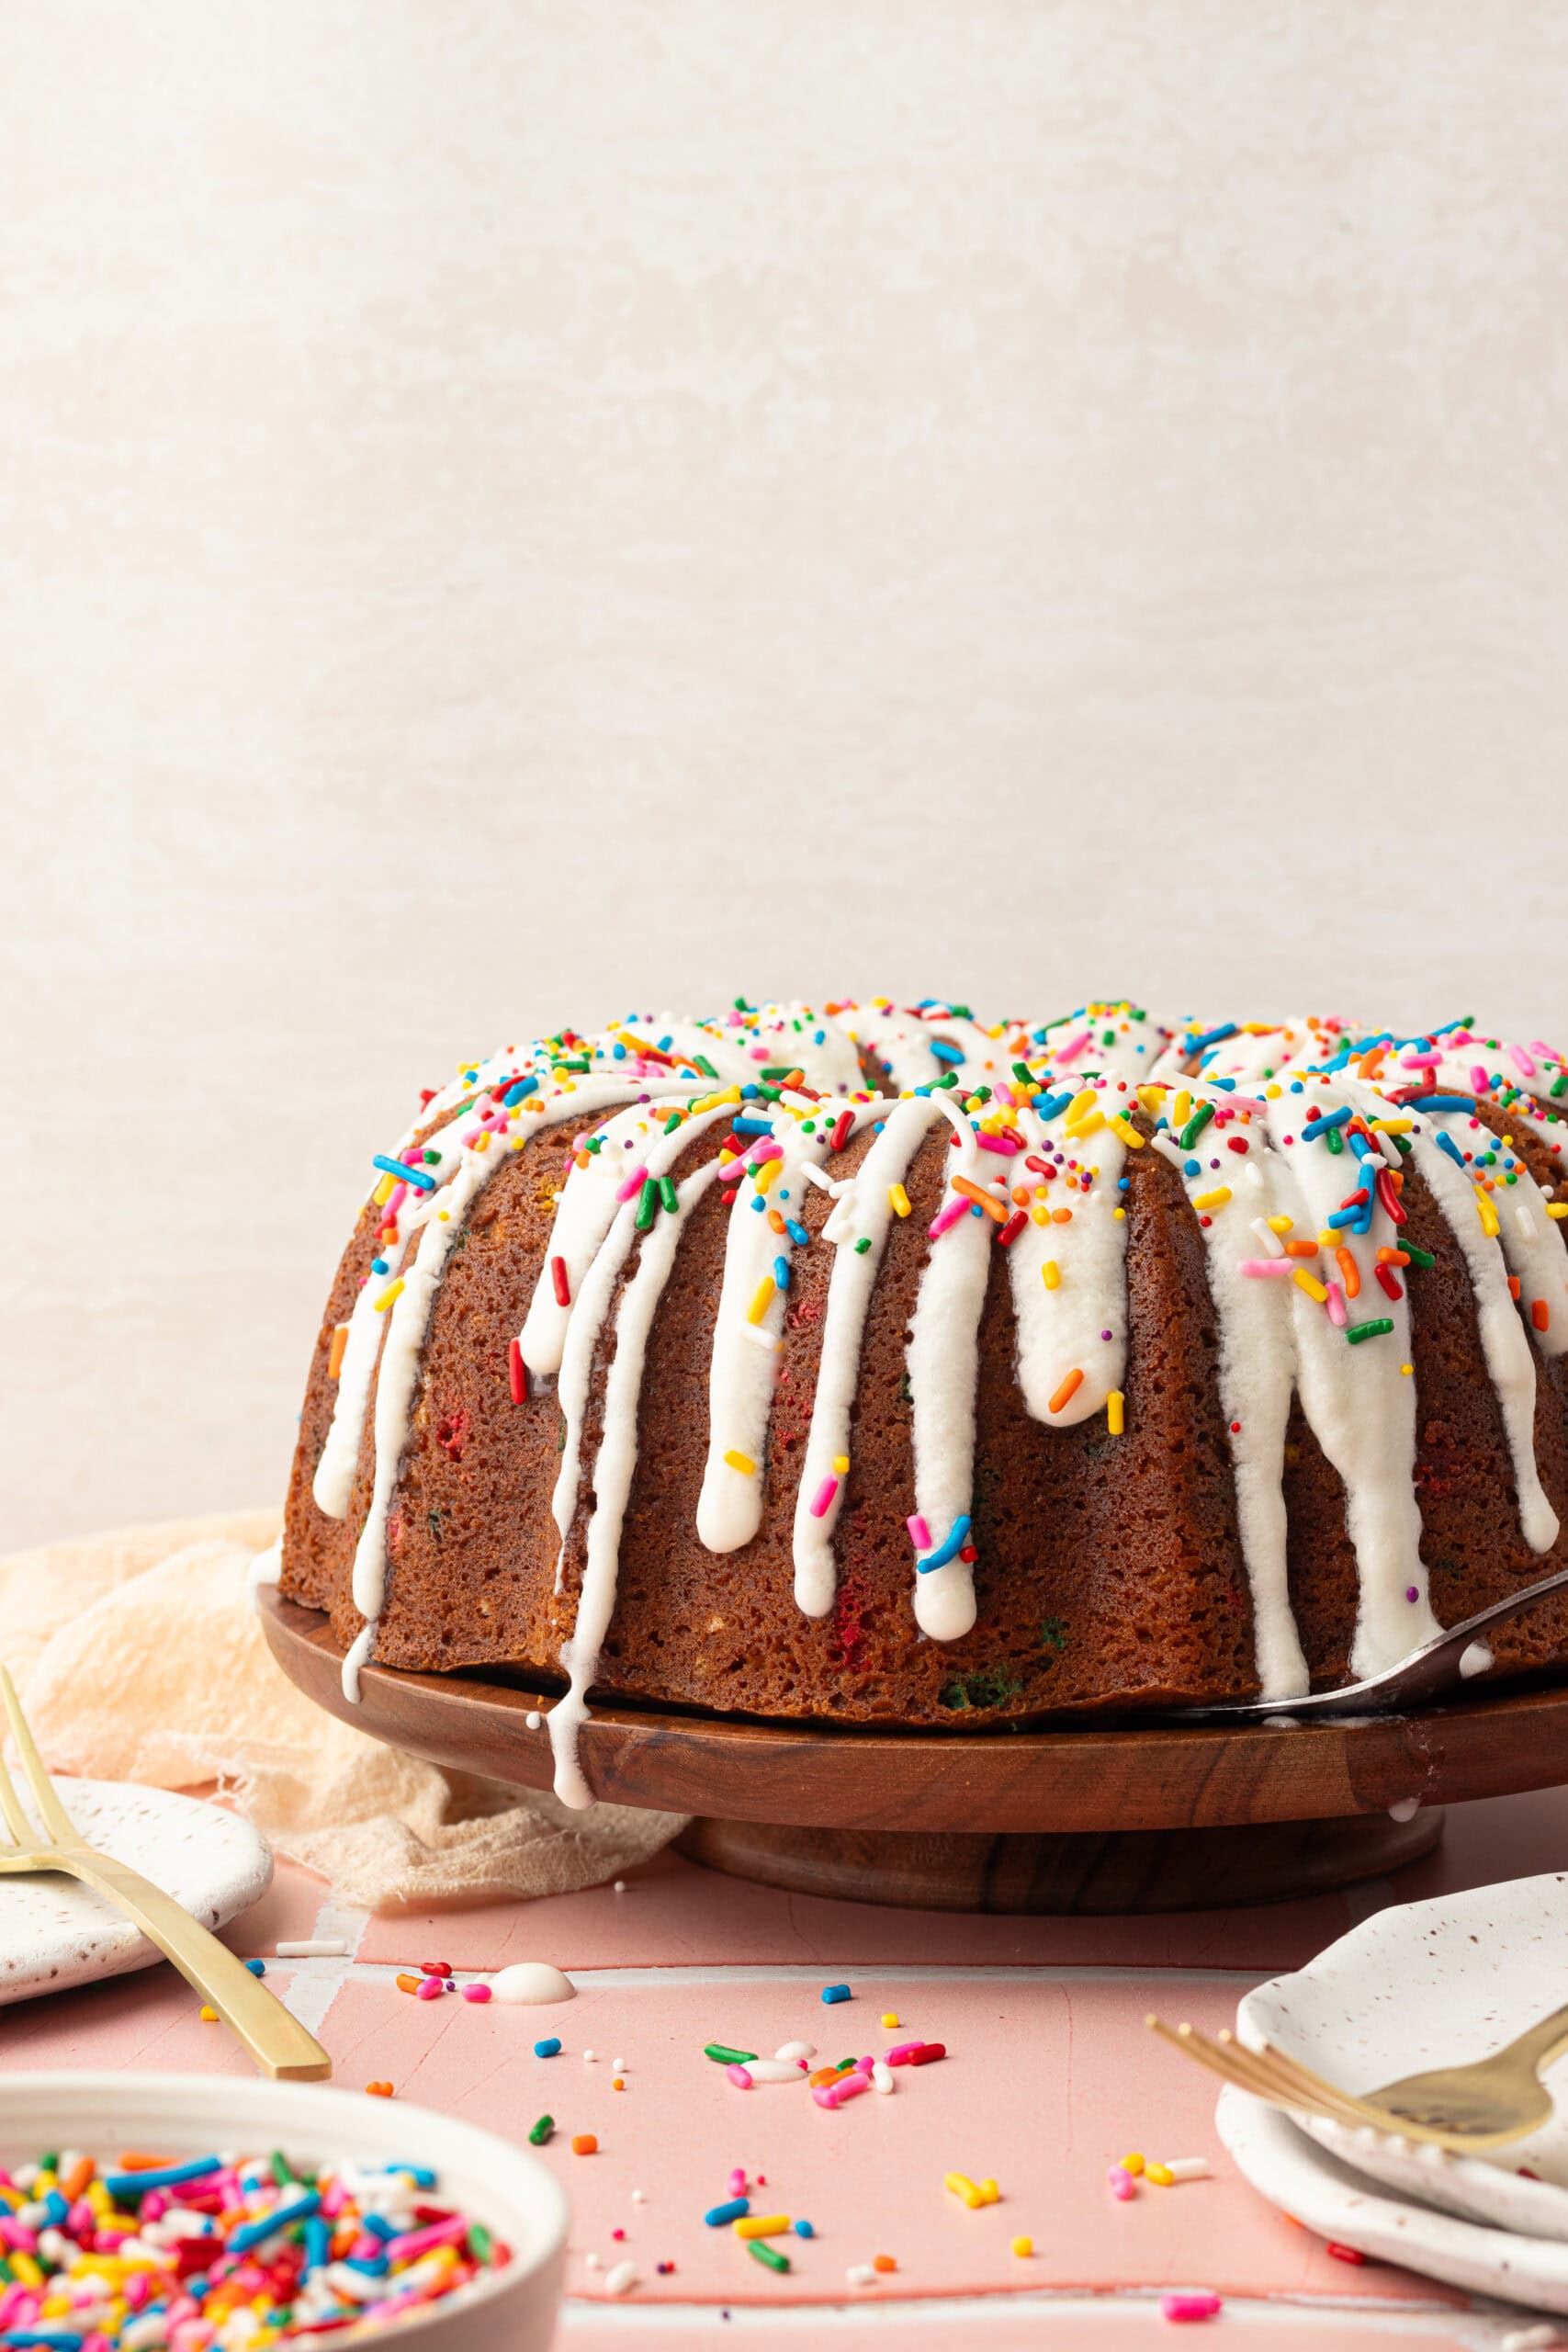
(275, 2039)
(1462, 2108)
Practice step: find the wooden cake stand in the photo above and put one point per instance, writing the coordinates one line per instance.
(1113, 1819)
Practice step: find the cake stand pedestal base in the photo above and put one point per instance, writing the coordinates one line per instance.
(1116, 1871)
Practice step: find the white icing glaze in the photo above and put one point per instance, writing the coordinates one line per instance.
(943, 1357)
(865, 1213)
(1063, 1329)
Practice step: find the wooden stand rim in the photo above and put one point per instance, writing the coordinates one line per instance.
(1105, 1778)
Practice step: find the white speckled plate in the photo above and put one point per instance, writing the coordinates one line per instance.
(54, 1933)
(1418, 1986)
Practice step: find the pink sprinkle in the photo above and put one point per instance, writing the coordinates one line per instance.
(1478, 1077)
(395, 1200)
(737, 2182)
(847, 2087)
(633, 1183)
(1334, 1303)
(476, 1992)
(1119, 2182)
(431, 1988)
(921, 1536)
(902, 2052)
(1522, 1061)
(823, 1496)
(1419, 1061)
(740, 2076)
(763, 1149)
(414, 2243)
(1005, 1145)
(1266, 1266)
(1189, 2306)
(949, 1215)
(1071, 1052)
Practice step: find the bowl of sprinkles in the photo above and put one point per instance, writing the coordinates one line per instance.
(166, 2214)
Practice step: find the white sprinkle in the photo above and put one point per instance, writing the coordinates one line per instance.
(532, 1719)
(619, 2065)
(312, 1948)
(881, 2076)
(621, 2280)
(1405, 1809)
(620, 1886)
(861, 2274)
(588, 2057)
(795, 2049)
(592, 2262)
(1474, 1658)
(1187, 2167)
(639, 2196)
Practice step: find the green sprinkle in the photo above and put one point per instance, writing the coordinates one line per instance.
(863, 1246)
(480, 2242)
(1335, 1141)
(1022, 1070)
(769, 2255)
(1560, 1083)
(666, 1194)
(648, 1204)
(780, 1071)
(671, 1123)
(707, 1067)
(541, 2132)
(1356, 1332)
(1417, 1257)
(722, 2056)
(1195, 1125)
(280, 2171)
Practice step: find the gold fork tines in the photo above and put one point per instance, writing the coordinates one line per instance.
(1272, 2075)
(275, 2039)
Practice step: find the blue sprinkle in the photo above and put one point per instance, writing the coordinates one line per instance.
(833, 1993)
(1296, 1086)
(405, 1173)
(420, 2174)
(378, 1265)
(373, 2266)
(803, 2229)
(953, 1544)
(617, 1053)
(1438, 1103)
(1192, 1167)
(781, 1272)
(549, 2049)
(256, 1967)
(1122, 1183)
(1320, 1125)
(750, 1093)
(527, 1086)
(1211, 1038)
(282, 2217)
(1445, 1143)
(759, 1201)
(318, 2242)
(734, 2211)
(795, 1231)
(127, 2184)
(952, 1055)
(58, 2212)
(752, 1127)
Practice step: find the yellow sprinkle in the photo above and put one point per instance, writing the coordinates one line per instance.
(900, 1200)
(741, 1461)
(1128, 1133)
(1161, 2175)
(1407, 1369)
(1076, 1129)
(27, 2269)
(762, 1296)
(392, 1291)
(1272, 1094)
(1051, 1274)
(1181, 1109)
(1279, 1224)
(1151, 1099)
(1488, 1216)
(1119, 1213)
(1214, 1200)
(761, 2225)
(962, 2185)
(384, 1190)
(765, 1174)
(889, 2021)
(842, 1464)
(1310, 1283)
(1022, 2248)
(1133, 2163)
(1557, 1208)
(1043, 1217)
(1393, 1127)
(1114, 1405)
(209, 2016)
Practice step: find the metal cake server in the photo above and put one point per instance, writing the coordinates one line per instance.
(1427, 1673)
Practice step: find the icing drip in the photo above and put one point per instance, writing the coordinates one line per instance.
(1258, 1377)
(1061, 1329)
(864, 1213)
(944, 1359)
(746, 1342)
(333, 1486)
(1508, 1357)
(1361, 1405)
(612, 1469)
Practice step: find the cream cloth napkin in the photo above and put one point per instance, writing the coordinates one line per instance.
(140, 1657)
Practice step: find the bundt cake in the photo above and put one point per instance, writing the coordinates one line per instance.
(876, 1365)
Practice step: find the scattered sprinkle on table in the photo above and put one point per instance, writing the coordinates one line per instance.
(833, 1993)
(548, 2048)
(585, 2145)
(223, 2251)
(314, 1948)
(1190, 2305)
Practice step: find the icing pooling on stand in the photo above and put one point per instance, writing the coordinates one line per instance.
(1039, 1116)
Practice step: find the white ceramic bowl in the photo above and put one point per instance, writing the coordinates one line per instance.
(514, 2194)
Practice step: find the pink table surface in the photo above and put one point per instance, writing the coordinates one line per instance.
(1050, 2075)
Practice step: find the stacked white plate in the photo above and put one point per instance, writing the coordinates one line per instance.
(1426, 1985)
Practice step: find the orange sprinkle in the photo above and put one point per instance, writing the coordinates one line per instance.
(1061, 1217)
(1300, 1248)
(776, 1221)
(134, 2160)
(882, 2262)
(1350, 1273)
(76, 2181)
(616, 2083)
(585, 2145)
(408, 1984)
(1540, 1314)
(992, 1207)
(335, 1365)
(379, 2090)
(1067, 1391)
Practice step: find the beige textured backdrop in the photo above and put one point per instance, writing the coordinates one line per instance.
(514, 508)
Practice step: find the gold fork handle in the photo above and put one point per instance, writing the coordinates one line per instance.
(1542, 2042)
(274, 2038)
